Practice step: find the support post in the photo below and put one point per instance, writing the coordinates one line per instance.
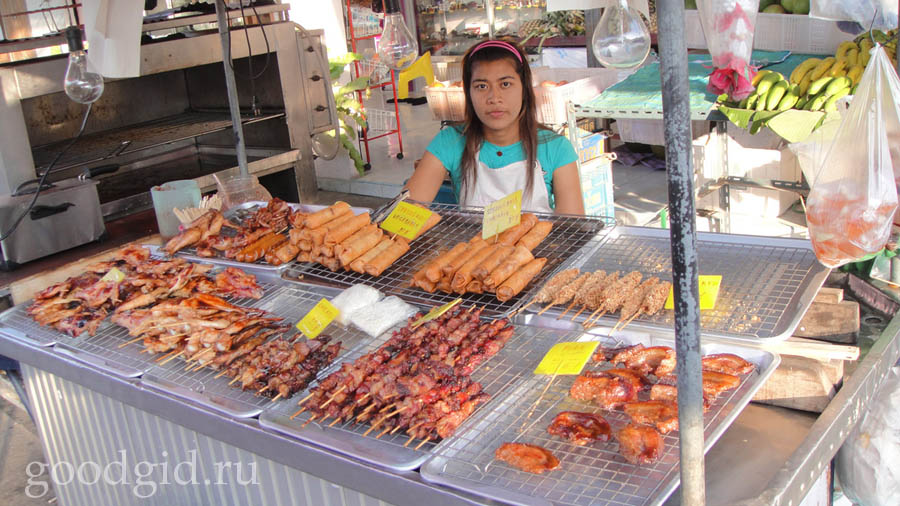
(679, 167)
(233, 105)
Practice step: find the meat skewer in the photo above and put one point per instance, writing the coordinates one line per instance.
(548, 291)
(567, 292)
(594, 282)
(653, 301)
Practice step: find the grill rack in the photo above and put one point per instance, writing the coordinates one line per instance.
(521, 354)
(571, 238)
(590, 474)
(767, 283)
(288, 302)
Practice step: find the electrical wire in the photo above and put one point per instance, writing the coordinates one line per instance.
(262, 27)
(43, 179)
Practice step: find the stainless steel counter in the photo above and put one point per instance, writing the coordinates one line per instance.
(769, 455)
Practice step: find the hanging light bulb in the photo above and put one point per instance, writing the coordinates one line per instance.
(397, 48)
(621, 39)
(81, 86)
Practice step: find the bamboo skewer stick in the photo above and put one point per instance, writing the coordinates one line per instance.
(333, 396)
(548, 306)
(336, 420)
(301, 401)
(385, 431)
(234, 380)
(310, 420)
(569, 308)
(423, 442)
(224, 371)
(295, 415)
(276, 397)
(578, 313)
(396, 428)
(169, 354)
(136, 339)
(170, 358)
(635, 315)
(386, 408)
(536, 402)
(263, 389)
(362, 399)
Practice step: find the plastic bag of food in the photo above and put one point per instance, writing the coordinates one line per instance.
(853, 197)
(236, 189)
(353, 298)
(868, 464)
(728, 26)
(377, 318)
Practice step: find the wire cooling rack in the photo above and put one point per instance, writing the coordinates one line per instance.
(767, 283)
(588, 475)
(520, 355)
(290, 303)
(571, 237)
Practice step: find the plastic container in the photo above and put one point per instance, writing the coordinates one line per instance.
(446, 103)
(582, 85)
(778, 32)
(237, 189)
(167, 196)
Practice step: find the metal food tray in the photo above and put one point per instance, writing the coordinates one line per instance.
(767, 285)
(591, 474)
(571, 236)
(241, 212)
(288, 302)
(520, 355)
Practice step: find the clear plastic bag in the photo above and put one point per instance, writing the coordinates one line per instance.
(854, 196)
(860, 11)
(868, 464)
(728, 26)
(236, 189)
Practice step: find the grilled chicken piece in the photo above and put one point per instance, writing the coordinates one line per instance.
(580, 428)
(656, 360)
(606, 390)
(726, 363)
(640, 444)
(529, 458)
(661, 414)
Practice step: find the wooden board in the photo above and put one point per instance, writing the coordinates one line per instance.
(837, 323)
(802, 383)
(24, 289)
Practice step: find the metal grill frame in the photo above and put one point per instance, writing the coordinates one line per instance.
(521, 354)
(288, 302)
(767, 283)
(590, 474)
(572, 238)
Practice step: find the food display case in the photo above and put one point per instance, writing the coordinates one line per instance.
(450, 27)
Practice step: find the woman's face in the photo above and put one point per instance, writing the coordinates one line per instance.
(496, 94)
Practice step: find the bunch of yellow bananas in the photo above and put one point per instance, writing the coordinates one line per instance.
(775, 93)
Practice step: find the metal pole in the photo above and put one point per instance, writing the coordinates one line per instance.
(233, 104)
(679, 167)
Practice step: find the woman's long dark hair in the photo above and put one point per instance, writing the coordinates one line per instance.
(473, 129)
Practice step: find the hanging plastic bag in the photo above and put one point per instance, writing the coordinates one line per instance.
(728, 26)
(854, 196)
(868, 463)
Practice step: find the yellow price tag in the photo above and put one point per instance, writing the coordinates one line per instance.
(114, 275)
(406, 220)
(318, 319)
(435, 313)
(502, 214)
(567, 358)
(709, 292)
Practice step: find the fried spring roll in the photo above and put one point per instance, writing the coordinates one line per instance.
(420, 281)
(355, 249)
(463, 275)
(519, 257)
(295, 235)
(283, 253)
(345, 230)
(387, 257)
(359, 265)
(515, 283)
(434, 269)
(491, 262)
(338, 248)
(323, 216)
(471, 250)
(475, 286)
(537, 234)
(317, 235)
(444, 285)
(303, 256)
(512, 235)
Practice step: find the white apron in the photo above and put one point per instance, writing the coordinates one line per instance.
(494, 184)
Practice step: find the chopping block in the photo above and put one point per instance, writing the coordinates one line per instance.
(811, 371)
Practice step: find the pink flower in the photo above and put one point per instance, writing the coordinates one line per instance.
(732, 76)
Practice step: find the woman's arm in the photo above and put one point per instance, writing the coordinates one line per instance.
(427, 179)
(567, 190)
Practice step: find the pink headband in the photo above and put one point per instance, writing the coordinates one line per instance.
(501, 44)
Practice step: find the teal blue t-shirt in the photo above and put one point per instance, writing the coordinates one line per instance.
(553, 152)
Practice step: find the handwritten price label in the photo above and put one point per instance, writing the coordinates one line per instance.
(406, 220)
(502, 214)
(114, 275)
(709, 292)
(567, 358)
(435, 313)
(317, 319)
